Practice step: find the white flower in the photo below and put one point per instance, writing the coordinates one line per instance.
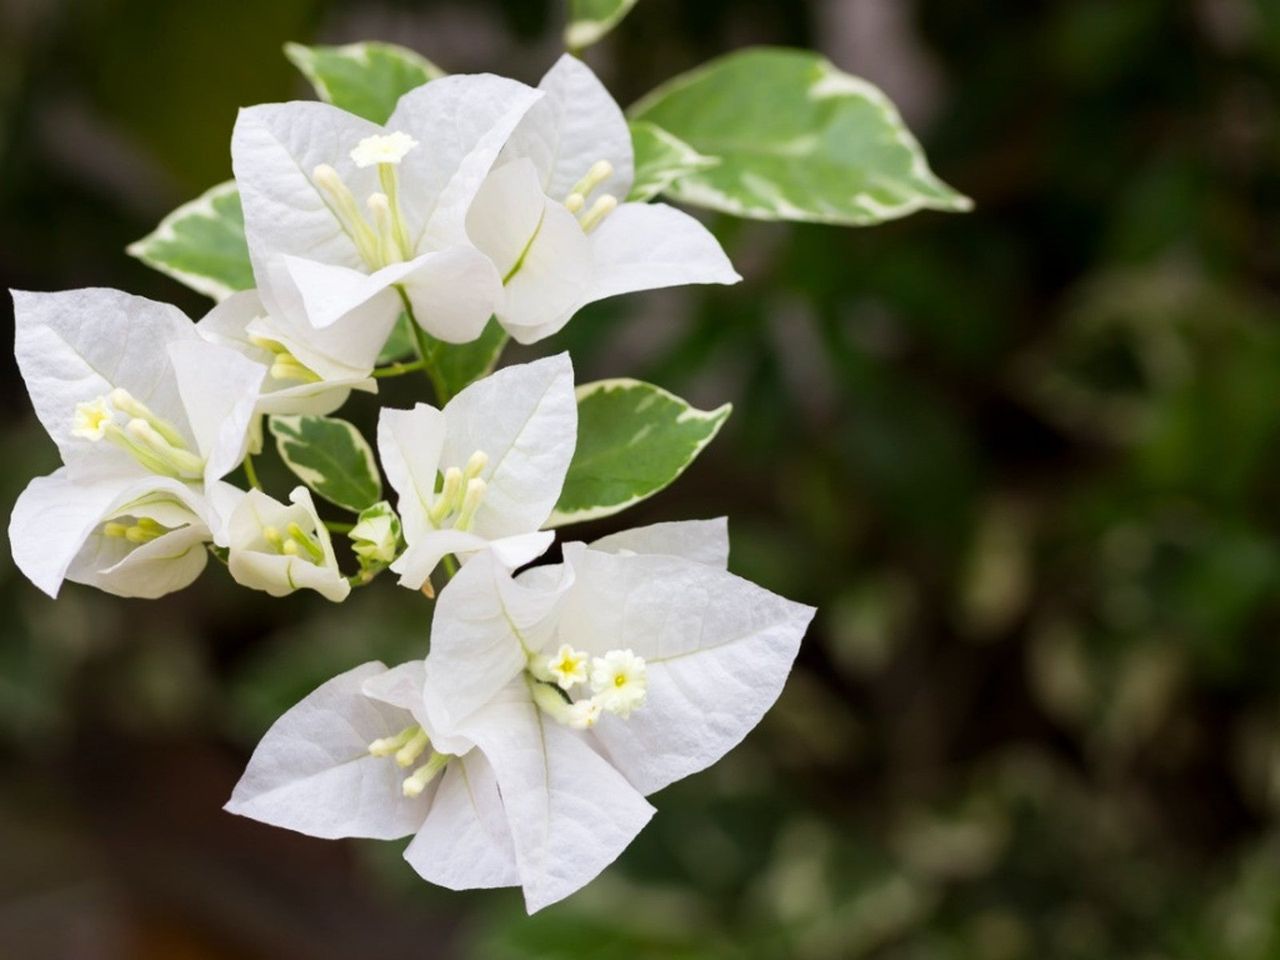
(148, 418)
(484, 472)
(553, 218)
(532, 789)
(347, 221)
(620, 680)
(280, 549)
(310, 371)
(568, 667)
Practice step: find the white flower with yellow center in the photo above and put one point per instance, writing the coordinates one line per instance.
(486, 471)
(568, 667)
(349, 222)
(526, 786)
(619, 679)
(148, 418)
(554, 217)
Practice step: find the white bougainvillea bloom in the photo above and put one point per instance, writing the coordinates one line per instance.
(533, 788)
(148, 418)
(281, 548)
(309, 371)
(484, 472)
(554, 219)
(348, 221)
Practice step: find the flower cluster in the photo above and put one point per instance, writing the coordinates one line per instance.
(556, 696)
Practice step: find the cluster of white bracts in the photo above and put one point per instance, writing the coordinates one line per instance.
(553, 701)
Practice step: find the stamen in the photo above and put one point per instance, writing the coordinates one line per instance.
(447, 501)
(289, 367)
(272, 536)
(475, 465)
(470, 503)
(115, 530)
(600, 171)
(344, 207)
(380, 208)
(420, 778)
(412, 750)
(599, 210)
(575, 202)
(125, 402)
(386, 746)
(391, 187)
(302, 539)
(182, 462)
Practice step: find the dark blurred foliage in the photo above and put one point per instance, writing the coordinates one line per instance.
(1025, 461)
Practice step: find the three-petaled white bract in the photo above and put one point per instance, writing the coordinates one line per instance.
(281, 548)
(148, 418)
(500, 448)
(553, 218)
(504, 791)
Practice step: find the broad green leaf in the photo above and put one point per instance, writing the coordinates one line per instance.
(202, 244)
(364, 78)
(331, 457)
(458, 364)
(797, 139)
(661, 160)
(589, 20)
(633, 440)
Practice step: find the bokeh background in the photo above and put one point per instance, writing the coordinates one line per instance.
(1026, 462)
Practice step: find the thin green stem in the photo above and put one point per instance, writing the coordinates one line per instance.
(400, 369)
(425, 353)
(337, 526)
(450, 566)
(250, 473)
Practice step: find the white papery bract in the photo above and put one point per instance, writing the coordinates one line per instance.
(148, 418)
(308, 370)
(486, 471)
(282, 548)
(347, 221)
(514, 794)
(553, 218)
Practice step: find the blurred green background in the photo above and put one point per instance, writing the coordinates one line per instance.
(1025, 461)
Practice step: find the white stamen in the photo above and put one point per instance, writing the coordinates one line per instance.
(599, 210)
(471, 501)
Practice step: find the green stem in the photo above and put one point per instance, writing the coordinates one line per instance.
(450, 566)
(425, 352)
(337, 526)
(399, 369)
(251, 473)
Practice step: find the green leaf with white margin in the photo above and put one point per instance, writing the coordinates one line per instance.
(589, 20)
(661, 160)
(362, 78)
(633, 440)
(202, 244)
(797, 139)
(331, 457)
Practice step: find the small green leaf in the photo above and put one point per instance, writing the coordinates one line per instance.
(459, 364)
(589, 20)
(202, 244)
(399, 345)
(331, 457)
(661, 160)
(363, 78)
(797, 139)
(633, 440)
